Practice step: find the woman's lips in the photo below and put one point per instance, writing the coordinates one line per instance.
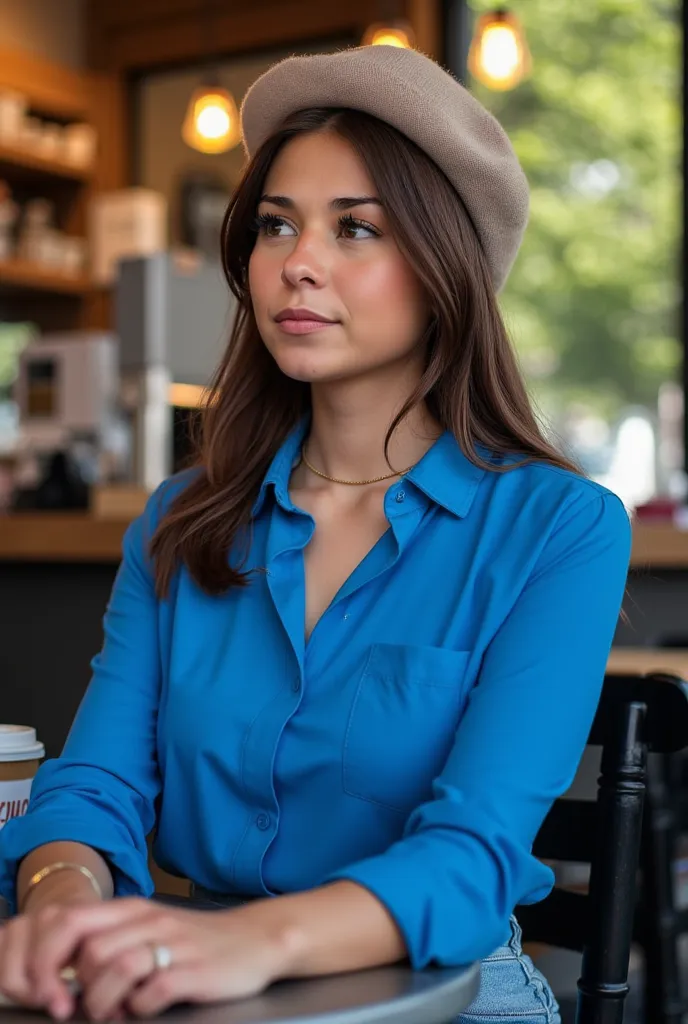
(304, 326)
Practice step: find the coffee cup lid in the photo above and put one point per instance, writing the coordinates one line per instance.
(19, 743)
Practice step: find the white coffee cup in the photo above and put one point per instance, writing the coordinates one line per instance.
(20, 755)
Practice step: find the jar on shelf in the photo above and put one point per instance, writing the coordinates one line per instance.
(13, 108)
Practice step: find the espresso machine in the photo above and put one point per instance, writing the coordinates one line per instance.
(112, 408)
(71, 432)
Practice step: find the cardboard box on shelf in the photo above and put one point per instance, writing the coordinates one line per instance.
(126, 223)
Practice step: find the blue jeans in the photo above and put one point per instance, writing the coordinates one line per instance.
(512, 990)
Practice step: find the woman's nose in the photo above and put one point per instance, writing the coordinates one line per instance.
(305, 263)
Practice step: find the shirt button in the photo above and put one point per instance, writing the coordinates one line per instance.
(263, 822)
(400, 495)
(296, 685)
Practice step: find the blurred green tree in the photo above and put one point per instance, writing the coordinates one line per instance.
(592, 302)
(14, 337)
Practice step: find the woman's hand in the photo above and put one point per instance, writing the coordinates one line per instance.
(214, 955)
(44, 905)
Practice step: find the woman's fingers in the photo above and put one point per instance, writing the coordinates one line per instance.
(45, 981)
(99, 950)
(16, 975)
(165, 988)
(15, 981)
(214, 956)
(111, 963)
(192, 980)
(109, 989)
(58, 939)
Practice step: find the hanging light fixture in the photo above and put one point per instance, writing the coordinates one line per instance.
(393, 33)
(390, 29)
(211, 124)
(499, 55)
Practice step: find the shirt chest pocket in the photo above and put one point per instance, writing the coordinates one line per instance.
(401, 726)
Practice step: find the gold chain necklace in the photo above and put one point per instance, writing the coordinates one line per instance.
(351, 483)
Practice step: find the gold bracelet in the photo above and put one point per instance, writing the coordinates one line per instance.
(63, 865)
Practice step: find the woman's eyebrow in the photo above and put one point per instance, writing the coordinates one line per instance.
(345, 202)
(342, 203)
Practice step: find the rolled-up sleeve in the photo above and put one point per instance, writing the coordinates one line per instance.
(464, 862)
(101, 790)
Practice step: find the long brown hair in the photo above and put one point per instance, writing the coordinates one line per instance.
(472, 383)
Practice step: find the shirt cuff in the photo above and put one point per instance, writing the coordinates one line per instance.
(20, 836)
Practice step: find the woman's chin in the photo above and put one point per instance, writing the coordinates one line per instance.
(312, 371)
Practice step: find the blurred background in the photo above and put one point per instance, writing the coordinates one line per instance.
(119, 151)
(102, 159)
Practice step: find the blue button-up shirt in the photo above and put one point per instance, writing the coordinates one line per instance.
(413, 745)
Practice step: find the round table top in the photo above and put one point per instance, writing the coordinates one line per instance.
(395, 994)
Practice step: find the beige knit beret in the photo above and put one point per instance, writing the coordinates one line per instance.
(415, 95)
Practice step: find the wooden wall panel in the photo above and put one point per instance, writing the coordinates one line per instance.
(138, 34)
(108, 112)
(132, 35)
(425, 18)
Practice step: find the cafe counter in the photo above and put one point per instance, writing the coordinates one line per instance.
(60, 537)
(80, 537)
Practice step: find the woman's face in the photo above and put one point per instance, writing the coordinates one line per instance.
(324, 247)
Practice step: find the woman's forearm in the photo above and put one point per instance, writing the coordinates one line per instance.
(335, 928)
(68, 886)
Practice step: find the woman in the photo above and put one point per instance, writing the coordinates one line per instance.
(353, 656)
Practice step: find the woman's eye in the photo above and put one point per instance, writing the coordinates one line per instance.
(273, 226)
(350, 228)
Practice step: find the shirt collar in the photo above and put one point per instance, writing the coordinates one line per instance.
(444, 473)
(280, 469)
(447, 476)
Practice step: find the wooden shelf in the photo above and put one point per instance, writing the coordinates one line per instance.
(20, 274)
(659, 547)
(60, 537)
(51, 300)
(25, 160)
(649, 659)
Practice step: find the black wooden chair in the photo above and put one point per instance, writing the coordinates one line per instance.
(637, 716)
(660, 923)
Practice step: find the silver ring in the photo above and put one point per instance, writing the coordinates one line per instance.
(162, 957)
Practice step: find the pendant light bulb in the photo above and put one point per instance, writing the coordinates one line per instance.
(211, 124)
(499, 55)
(393, 33)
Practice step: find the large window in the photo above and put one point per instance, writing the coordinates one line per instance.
(593, 300)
